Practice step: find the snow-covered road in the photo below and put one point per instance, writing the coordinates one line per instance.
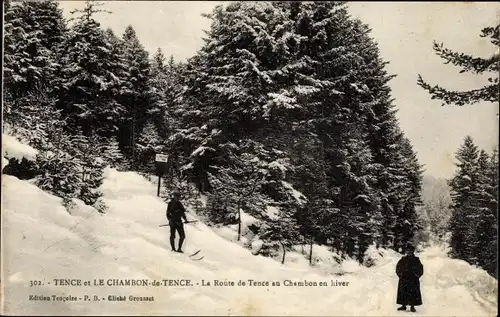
(43, 242)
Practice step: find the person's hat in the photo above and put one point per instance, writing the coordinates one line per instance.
(410, 248)
(176, 194)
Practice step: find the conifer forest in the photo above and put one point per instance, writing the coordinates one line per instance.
(285, 113)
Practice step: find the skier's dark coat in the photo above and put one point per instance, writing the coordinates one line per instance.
(176, 212)
(409, 269)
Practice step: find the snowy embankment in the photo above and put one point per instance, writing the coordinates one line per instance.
(13, 149)
(42, 241)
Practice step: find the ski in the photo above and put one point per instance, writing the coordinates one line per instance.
(195, 253)
(197, 259)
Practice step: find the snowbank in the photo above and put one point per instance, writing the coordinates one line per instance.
(373, 256)
(44, 241)
(12, 148)
(5, 162)
(459, 275)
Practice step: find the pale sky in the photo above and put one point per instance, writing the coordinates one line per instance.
(404, 32)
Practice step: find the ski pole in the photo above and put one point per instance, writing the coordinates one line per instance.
(166, 225)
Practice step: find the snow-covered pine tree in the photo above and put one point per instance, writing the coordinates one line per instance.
(464, 197)
(484, 227)
(135, 94)
(110, 152)
(33, 34)
(492, 175)
(473, 225)
(171, 62)
(148, 145)
(116, 46)
(342, 81)
(77, 157)
(86, 151)
(165, 86)
(58, 170)
(72, 166)
(320, 69)
(58, 174)
(408, 218)
(396, 167)
(346, 60)
(317, 215)
(159, 63)
(237, 187)
(358, 197)
(282, 228)
(488, 226)
(37, 120)
(159, 90)
(227, 85)
(89, 85)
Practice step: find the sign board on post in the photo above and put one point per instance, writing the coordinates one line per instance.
(162, 158)
(161, 168)
(161, 163)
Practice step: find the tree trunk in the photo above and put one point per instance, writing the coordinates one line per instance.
(239, 220)
(284, 252)
(133, 139)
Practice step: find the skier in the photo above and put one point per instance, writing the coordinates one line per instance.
(175, 214)
(409, 270)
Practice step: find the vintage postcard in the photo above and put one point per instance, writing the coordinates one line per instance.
(266, 158)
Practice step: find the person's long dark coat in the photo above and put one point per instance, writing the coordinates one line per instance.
(409, 269)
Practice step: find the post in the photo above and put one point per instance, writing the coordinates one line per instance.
(161, 168)
(311, 250)
(159, 182)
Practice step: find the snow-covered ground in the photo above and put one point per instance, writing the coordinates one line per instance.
(42, 241)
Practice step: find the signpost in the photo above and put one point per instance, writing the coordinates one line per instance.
(161, 168)
(162, 158)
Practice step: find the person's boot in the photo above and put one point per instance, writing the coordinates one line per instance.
(412, 309)
(181, 240)
(402, 307)
(172, 243)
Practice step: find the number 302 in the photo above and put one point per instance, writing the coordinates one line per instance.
(35, 283)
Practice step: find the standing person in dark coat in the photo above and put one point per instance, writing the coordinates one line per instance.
(175, 214)
(409, 270)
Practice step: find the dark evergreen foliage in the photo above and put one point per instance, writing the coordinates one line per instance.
(473, 224)
(292, 75)
(285, 114)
